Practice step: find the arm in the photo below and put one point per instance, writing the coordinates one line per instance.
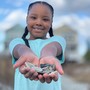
(48, 55)
(52, 49)
(24, 53)
(20, 50)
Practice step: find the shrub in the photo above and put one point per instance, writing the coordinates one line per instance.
(87, 56)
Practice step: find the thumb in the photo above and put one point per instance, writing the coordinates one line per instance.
(59, 68)
(19, 62)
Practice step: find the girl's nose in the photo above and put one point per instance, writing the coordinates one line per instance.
(39, 22)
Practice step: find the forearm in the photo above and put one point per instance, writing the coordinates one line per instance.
(21, 49)
(52, 49)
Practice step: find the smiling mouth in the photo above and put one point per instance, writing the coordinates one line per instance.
(38, 28)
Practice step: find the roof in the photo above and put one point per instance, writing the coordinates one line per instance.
(64, 29)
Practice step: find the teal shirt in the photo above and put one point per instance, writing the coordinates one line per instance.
(22, 83)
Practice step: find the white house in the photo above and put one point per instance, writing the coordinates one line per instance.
(71, 37)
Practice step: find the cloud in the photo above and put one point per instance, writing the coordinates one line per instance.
(81, 25)
(13, 18)
(66, 12)
(17, 3)
(56, 4)
(75, 6)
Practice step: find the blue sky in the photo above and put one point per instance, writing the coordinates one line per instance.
(75, 13)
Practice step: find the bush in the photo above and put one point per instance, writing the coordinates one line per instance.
(87, 56)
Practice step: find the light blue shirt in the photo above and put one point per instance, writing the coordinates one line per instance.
(22, 83)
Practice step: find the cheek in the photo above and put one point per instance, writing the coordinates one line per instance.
(48, 26)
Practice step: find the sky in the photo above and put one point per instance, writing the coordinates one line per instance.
(75, 13)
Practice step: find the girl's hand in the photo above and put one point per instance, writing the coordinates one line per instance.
(52, 76)
(26, 57)
(28, 73)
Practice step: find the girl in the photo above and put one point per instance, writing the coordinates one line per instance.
(38, 49)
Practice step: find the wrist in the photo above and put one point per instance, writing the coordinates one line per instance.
(47, 56)
(21, 50)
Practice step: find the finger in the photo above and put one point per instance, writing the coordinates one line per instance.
(48, 79)
(30, 73)
(41, 78)
(59, 68)
(19, 62)
(27, 75)
(54, 75)
(36, 79)
(24, 69)
(34, 76)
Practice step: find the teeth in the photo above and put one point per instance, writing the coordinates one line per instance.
(38, 28)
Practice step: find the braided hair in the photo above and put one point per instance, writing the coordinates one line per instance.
(30, 6)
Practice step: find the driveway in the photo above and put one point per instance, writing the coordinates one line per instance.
(69, 84)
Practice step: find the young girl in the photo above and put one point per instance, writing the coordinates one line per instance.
(38, 49)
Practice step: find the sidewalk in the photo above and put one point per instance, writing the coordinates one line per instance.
(4, 87)
(69, 84)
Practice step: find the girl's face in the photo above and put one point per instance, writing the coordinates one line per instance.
(39, 21)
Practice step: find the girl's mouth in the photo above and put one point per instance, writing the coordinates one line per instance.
(38, 28)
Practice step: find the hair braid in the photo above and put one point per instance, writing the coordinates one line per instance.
(51, 32)
(25, 33)
(24, 37)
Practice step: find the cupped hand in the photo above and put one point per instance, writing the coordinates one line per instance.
(26, 57)
(54, 75)
(28, 73)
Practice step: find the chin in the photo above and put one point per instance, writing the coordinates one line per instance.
(40, 37)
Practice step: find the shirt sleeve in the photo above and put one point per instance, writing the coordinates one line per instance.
(62, 42)
(12, 45)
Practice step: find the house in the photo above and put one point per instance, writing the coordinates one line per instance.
(71, 38)
(14, 32)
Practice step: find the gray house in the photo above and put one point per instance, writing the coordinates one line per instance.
(71, 38)
(13, 32)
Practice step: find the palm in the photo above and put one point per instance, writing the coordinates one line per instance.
(26, 57)
(52, 60)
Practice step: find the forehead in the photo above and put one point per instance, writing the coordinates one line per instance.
(39, 7)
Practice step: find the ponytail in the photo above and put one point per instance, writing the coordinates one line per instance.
(25, 33)
(51, 32)
(24, 37)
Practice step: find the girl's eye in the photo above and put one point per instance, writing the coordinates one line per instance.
(45, 19)
(33, 17)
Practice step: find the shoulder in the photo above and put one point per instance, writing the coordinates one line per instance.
(58, 39)
(16, 41)
(19, 40)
